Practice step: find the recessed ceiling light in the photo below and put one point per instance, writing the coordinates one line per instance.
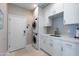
(35, 5)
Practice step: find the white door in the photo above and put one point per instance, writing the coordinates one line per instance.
(16, 32)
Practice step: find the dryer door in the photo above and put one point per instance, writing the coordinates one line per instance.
(34, 40)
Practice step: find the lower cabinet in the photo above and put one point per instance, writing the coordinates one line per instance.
(63, 48)
(70, 49)
(51, 45)
(46, 44)
(57, 47)
(43, 41)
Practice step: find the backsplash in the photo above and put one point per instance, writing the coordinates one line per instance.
(69, 30)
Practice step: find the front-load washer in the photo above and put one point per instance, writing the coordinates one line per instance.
(35, 25)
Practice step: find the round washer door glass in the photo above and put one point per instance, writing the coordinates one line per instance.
(34, 25)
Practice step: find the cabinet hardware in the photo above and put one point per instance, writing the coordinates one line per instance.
(69, 45)
(61, 48)
(51, 44)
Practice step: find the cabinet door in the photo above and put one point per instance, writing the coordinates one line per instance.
(58, 7)
(71, 13)
(69, 49)
(43, 42)
(77, 49)
(50, 46)
(57, 44)
(48, 11)
(41, 39)
(46, 44)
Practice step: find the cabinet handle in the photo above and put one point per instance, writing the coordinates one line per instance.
(69, 45)
(61, 48)
(51, 44)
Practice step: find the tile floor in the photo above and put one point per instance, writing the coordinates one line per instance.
(29, 51)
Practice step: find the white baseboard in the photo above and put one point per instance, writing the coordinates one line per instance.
(2, 53)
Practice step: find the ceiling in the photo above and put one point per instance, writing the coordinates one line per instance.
(29, 6)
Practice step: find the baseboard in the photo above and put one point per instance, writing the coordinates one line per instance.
(45, 52)
(2, 53)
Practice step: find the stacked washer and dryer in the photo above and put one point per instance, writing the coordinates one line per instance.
(35, 30)
(35, 33)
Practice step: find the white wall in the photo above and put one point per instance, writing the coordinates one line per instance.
(16, 10)
(3, 32)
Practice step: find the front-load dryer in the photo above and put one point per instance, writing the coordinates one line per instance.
(35, 41)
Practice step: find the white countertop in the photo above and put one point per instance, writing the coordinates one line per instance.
(65, 38)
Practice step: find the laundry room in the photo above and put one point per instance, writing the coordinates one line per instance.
(21, 29)
(39, 29)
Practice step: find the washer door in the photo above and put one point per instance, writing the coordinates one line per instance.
(34, 25)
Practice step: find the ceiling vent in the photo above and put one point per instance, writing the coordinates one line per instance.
(43, 4)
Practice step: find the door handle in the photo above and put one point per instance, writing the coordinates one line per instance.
(24, 32)
(51, 44)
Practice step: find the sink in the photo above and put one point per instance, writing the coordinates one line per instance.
(55, 35)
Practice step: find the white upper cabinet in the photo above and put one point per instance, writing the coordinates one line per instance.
(71, 13)
(58, 7)
(51, 10)
(48, 10)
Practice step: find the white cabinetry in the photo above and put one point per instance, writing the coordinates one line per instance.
(57, 47)
(45, 44)
(48, 10)
(71, 13)
(70, 49)
(51, 45)
(51, 10)
(58, 7)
